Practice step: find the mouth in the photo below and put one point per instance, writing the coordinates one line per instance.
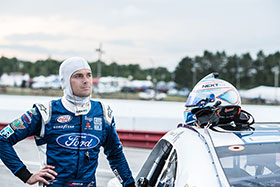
(85, 88)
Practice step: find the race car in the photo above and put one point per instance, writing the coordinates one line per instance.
(190, 156)
(218, 145)
(224, 154)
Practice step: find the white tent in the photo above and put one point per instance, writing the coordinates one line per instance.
(267, 93)
(13, 79)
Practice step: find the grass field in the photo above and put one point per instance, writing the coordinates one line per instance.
(59, 93)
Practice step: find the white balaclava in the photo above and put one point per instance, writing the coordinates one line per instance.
(67, 68)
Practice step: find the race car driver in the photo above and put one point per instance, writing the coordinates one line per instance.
(69, 133)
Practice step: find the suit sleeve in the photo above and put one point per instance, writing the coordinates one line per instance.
(27, 125)
(114, 152)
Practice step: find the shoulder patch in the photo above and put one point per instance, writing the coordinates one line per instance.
(7, 131)
(107, 113)
(17, 124)
(44, 110)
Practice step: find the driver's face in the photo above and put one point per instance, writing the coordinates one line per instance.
(81, 83)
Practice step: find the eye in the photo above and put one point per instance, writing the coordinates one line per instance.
(77, 76)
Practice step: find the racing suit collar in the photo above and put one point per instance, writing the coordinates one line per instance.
(77, 109)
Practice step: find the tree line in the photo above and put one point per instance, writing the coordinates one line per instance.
(242, 71)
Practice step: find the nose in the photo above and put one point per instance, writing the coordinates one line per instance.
(86, 80)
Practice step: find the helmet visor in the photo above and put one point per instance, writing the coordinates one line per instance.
(200, 99)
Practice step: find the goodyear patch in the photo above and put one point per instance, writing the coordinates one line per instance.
(7, 132)
(17, 124)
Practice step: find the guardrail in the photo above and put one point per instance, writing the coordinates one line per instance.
(133, 138)
(2, 125)
(141, 139)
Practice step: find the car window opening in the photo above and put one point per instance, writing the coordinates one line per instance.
(152, 168)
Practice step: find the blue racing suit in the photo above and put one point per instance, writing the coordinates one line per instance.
(70, 143)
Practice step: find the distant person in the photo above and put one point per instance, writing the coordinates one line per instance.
(69, 133)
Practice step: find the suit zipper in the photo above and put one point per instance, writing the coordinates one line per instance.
(78, 161)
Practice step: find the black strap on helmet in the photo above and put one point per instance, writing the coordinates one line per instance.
(204, 116)
(223, 116)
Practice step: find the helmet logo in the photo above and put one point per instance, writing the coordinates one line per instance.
(210, 85)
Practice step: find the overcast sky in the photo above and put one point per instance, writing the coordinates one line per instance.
(148, 32)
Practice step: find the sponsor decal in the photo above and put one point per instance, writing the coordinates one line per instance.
(7, 132)
(229, 109)
(88, 119)
(64, 118)
(75, 183)
(118, 175)
(109, 112)
(90, 184)
(66, 126)
(236, 147)
(78, 141)
(27, 118)
(88, 125)
(32, 112)
(175, 135)
(17, 124)
(97, 121)
(42, 108)
(82, 111)
(210, 85)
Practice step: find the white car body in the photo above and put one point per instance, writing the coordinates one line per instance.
(197, 157)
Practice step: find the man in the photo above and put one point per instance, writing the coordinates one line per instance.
(69, 133)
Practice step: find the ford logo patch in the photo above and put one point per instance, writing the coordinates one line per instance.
(78, 141)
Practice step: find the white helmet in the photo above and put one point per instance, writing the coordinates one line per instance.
(207, 92)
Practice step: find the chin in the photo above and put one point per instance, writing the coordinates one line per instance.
(83, 95)
(86, 95)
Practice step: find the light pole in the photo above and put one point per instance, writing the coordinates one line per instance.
(237, 74)
(195, 66)
(275, 70)
(100, 52)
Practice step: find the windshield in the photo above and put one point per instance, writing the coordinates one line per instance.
(252, 164)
